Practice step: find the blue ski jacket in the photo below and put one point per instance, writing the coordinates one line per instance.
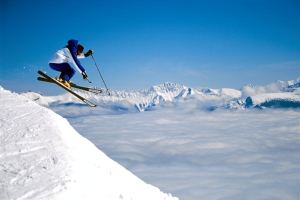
(72, 46)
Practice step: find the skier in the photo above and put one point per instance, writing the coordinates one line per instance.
(66, 59)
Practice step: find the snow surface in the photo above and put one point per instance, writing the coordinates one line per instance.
(43, 157)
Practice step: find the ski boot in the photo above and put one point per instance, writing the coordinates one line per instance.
(64, 82)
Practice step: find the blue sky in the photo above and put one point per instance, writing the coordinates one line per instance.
(142, 43)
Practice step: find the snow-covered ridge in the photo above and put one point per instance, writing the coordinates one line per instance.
(43, 157)
(281, 94)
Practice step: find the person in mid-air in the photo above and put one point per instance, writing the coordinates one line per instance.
(66, 59)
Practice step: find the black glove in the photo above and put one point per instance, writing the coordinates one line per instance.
(88, 53)
(84, 75)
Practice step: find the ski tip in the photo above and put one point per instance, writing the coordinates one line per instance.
(89, 103)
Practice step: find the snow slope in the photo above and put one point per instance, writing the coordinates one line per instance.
(43, 157)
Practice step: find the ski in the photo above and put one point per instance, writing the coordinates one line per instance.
(73, 85)
(67, 89)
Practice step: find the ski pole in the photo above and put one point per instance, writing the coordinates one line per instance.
(88, 80)
(100, 74)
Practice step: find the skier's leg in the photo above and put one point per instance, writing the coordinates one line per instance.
(56, 66)
(70, 72)
(66, 72)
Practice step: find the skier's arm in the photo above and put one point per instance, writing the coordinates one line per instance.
(84, 55)
(89, 53)
(76, 62)
(81, 56)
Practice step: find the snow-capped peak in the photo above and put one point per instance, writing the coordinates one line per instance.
(166, 87)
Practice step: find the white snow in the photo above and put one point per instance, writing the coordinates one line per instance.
(43, 157)
(260, 98)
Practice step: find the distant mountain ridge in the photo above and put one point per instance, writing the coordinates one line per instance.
(281, 94)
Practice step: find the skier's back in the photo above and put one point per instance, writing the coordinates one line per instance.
(66, 59)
